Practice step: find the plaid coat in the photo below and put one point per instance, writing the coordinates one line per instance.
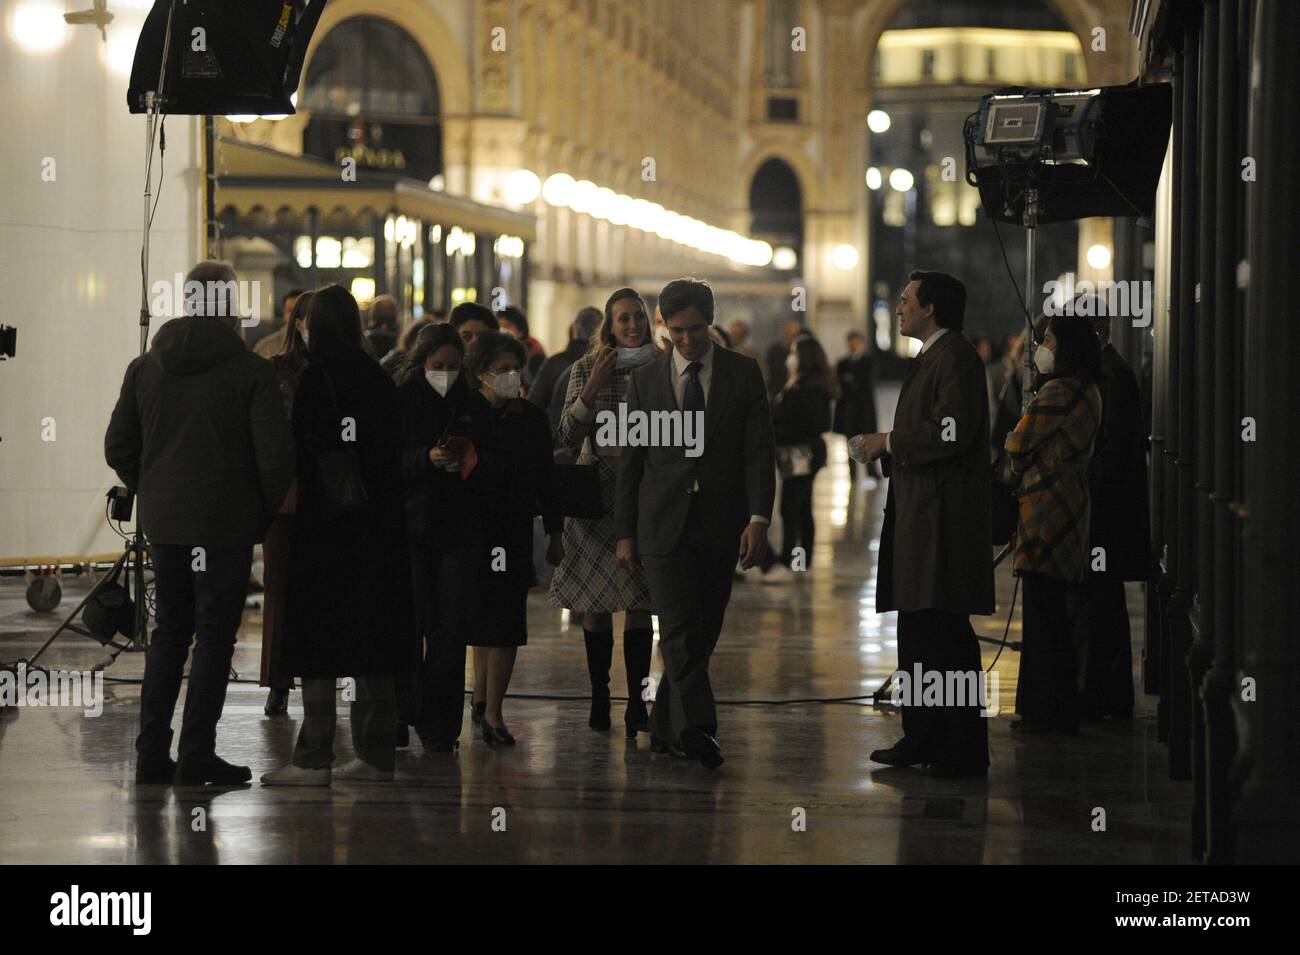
(1050, 450)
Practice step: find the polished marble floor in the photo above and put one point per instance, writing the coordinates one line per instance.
(797, 785)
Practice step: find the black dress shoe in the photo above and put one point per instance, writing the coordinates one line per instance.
(899, 756)
(497, 735)
(955, 770)
(671, 749)
(698, 744)
(277, 703)
(199, 771)
(155, 771)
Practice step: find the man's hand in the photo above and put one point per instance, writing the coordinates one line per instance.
(625, 554)
(866, 447)
(753, 544)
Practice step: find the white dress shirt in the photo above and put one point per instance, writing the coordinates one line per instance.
(928, 342)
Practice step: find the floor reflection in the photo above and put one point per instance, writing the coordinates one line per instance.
(566, 794)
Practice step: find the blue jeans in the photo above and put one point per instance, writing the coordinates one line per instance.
(207, 604)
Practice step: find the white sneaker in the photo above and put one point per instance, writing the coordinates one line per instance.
(359, 771)
(778, 573)
(297, 776)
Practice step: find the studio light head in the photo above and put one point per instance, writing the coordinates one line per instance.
(1094, 152)
(224, 56)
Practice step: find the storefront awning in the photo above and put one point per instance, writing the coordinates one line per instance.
(253, 177)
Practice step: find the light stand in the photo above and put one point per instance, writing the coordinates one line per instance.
(135, 556)
(1031, 247)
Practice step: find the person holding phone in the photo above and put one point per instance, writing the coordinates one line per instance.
(445, 421)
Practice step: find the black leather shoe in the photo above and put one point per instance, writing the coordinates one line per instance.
(698, 744)
(277, 703)
(670, 749)
(497, 735)
(898, 755)
(210, 769)
(155, 771)
(955, 770)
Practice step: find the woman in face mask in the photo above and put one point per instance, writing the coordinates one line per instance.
(589, 581)
(801, 414)
(446, 421)
(518, 483)
(1047, 461)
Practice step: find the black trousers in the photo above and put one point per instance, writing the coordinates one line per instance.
(197, 595)
(797, 526)
(689, 589)
(444, 583)
(1098, 611)
(942, 642)
(1048, 689)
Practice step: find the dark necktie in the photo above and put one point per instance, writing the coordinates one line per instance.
(693, 399)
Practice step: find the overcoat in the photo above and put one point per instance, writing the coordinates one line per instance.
(936, 544)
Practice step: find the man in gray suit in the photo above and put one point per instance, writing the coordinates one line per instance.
(935, 564)
(687, 516)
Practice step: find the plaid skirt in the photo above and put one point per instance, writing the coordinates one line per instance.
(589, 579)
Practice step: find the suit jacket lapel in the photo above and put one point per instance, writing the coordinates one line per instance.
(719, 386)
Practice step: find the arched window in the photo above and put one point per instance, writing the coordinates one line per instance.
(373, 96)
(776, 203)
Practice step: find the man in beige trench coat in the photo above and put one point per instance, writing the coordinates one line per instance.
(935, 565)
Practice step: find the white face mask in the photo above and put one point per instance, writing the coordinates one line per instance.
(1044, 360)
(631, 357)
(304, 335)
(441, 380)
(792, 363)
(506, 384)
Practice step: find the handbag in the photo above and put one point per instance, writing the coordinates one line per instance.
(339, 487)
(794, 460)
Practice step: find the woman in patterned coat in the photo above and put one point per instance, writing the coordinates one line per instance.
(589, 581)
(1049, 452)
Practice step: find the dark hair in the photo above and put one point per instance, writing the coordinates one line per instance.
(585, 323)
(293, 343)
(946, 293)
(604, 334)
(428, 340)
(383, 313)
(474, 312)
(490, 346)
(516, 317)
(813, 365)
(1078, 352)
(334, 322)
(407, 341)
(292, 293)
(680, 294)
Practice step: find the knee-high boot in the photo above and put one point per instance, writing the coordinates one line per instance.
(600, 652)
(638, 644)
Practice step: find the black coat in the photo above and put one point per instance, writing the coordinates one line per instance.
(801, 415)
(542, 390)
(348, 611)
(518, 483)
(199, 432)
(442, 506)
(1117, 477)
(855, 412)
